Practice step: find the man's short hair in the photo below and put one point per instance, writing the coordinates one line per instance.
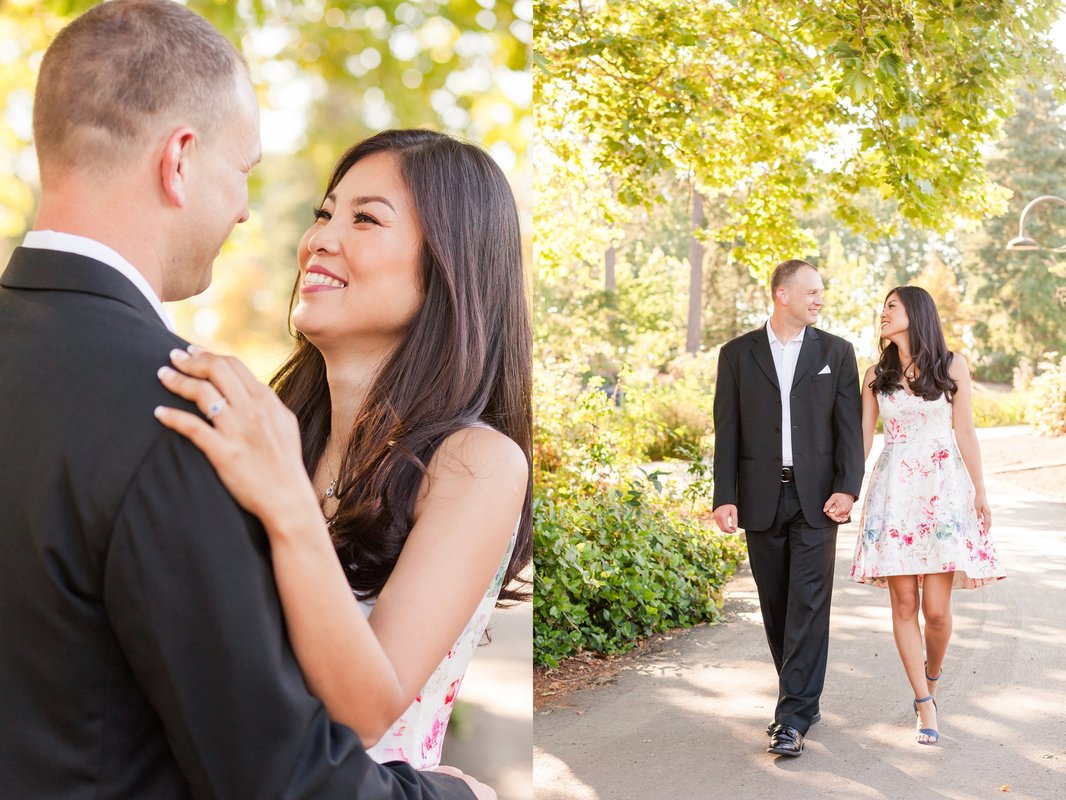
(784, 271)
(118, 67)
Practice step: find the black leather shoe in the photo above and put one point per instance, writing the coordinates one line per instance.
(785, 741)
(773, 723)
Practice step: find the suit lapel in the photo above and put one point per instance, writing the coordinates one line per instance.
(808, 356)
(760, 349)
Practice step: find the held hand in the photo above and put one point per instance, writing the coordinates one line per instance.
(984, 513)
(725, 516)
(480, 790)
(251, 439)
(838, 507)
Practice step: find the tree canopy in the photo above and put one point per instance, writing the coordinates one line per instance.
(773, 107)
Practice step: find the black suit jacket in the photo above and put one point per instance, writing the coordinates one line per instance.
(142, 648)
(826, 427)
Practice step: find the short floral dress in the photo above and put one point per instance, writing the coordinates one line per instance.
(918, 517)
(418, 735)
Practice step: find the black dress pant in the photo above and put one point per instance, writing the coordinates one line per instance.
(792, 564)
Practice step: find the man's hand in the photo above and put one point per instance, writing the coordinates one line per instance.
(838, 507)
(725, 516)
(481, 791)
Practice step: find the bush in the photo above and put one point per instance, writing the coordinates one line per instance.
(1047, 406)
(618, 556)
(681, 403)
(991, 408)
(612, 569)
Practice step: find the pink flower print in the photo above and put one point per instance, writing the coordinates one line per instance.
(893, 533)
(894, 431)
(982, 554)
(908, 538)
(453, 690)
(434, 740)
(949, 566)
(923, 529)
(969, 544)
(930, 507)
(939, 456)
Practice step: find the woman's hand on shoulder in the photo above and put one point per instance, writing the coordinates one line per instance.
(250, 437)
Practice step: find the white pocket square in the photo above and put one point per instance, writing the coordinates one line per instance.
(825, 370)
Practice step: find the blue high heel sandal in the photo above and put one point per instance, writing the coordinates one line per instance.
(932, 733)
(938, 677)
(931, 680)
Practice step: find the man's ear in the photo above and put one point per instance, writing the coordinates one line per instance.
(175, 164)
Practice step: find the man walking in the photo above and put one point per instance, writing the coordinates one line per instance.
(788, 465)
(142, 647)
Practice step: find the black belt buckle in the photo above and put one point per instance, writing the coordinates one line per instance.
(786, 475)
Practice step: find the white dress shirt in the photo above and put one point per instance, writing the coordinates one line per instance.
(785, 354)
(90, 248)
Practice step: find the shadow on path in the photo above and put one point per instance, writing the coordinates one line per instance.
(687, 721)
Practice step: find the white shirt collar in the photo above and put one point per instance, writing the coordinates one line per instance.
(773, 336)
(90, 248)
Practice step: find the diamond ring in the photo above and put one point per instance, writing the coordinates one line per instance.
(216, 408)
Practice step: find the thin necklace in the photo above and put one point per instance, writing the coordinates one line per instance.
(331, 489)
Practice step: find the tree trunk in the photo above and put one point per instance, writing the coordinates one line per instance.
(694, 337)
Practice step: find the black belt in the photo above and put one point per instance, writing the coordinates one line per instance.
(787, 475)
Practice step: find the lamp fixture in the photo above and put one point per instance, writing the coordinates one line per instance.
(1021, 242)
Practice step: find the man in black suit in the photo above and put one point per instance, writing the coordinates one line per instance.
(142, 649)
(788, 464)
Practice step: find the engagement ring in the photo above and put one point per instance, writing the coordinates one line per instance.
(216, 408)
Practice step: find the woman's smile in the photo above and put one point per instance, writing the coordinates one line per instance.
(317, 279)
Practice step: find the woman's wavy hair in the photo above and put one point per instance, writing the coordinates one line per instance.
(929, 350)
(464, 360)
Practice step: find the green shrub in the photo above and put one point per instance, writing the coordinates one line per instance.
(669, 411)
(618, 555)
(612, 569)
(1047, 406)
(991, 408)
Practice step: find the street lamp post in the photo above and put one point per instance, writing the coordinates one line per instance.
(1023, 242)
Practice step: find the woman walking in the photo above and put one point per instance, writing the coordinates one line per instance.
(926, 520)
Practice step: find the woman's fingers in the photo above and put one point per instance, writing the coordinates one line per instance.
(195, 430)
(202, 392)
(231, 381)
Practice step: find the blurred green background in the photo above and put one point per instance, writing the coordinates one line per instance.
(327, 74)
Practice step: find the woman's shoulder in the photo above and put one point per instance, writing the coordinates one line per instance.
(957, 366)
(482, 452)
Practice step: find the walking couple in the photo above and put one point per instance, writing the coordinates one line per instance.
(792, 433)
(291, 616)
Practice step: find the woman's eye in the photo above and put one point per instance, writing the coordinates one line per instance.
(322, 214)
(362, 216)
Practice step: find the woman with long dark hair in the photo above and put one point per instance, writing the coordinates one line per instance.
(407, 402)
(925, 520)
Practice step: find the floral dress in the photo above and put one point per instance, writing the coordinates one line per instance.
(918, 517)
(418, 735)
